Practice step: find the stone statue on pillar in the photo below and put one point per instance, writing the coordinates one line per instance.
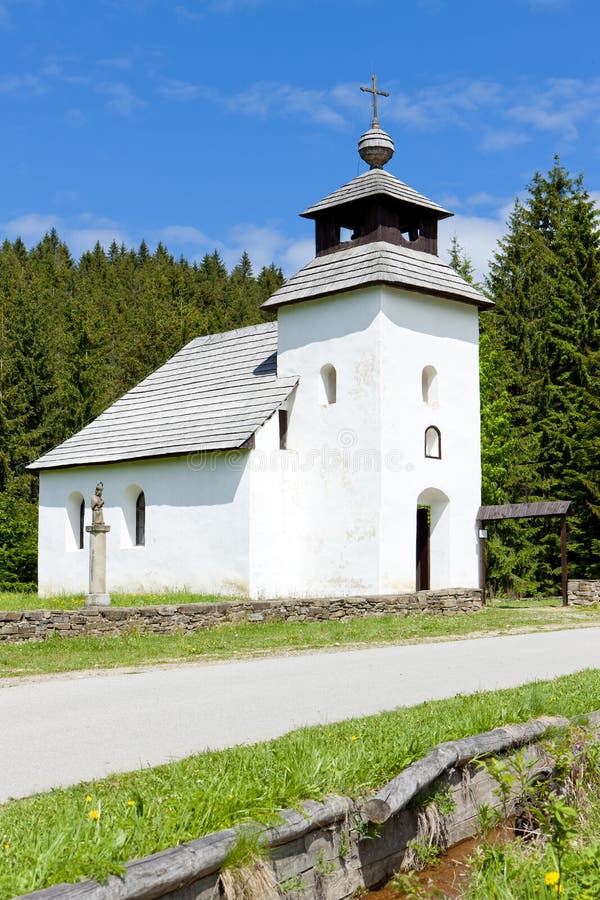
(98, 505)
(98, 595)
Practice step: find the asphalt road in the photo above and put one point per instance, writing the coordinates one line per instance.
(66, 729)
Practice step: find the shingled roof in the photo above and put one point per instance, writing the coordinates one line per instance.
(376, 263)
(375, 181)
(212, 395)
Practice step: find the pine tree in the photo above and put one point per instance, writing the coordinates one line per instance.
(545, 335)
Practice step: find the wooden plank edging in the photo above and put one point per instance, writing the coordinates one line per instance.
(168, 871)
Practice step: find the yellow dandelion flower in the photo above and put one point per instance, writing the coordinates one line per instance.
(353, 738)
(94, 814)
(551, 878)
(88, 799)
(131, 803)
(7, 846)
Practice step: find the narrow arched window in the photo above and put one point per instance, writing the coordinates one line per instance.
(429, 385)
(433, 443)
(81, 523)
(75, 524)
(140, 520)
(328, 385)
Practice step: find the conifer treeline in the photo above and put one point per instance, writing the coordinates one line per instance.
(74, 336)
(540, 383)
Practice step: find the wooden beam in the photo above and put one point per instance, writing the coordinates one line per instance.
(564, 566)
(482, 563)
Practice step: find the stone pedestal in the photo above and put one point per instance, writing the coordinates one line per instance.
(97, 595)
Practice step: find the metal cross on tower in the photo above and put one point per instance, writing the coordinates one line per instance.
(373, 90)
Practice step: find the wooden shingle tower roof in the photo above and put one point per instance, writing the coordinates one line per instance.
(394, 236)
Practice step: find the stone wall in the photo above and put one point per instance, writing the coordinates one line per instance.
(583, 593)
(36, 625)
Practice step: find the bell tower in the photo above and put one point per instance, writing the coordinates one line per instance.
(383, 337)
(382, 208)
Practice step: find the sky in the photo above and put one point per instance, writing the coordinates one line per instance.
(210, 124)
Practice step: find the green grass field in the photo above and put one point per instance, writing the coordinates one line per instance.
(93, 829)
(17, 601)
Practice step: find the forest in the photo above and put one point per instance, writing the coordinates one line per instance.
(75, 335)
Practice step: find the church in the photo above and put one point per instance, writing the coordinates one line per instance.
(332, 452)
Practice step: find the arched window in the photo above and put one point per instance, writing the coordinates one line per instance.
(429, 386)
(133, 517)
(140, 520)
(328, 385)
(81, 522)
(75, 531)
(433, 442)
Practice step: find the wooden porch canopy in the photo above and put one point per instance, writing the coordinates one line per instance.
(525, 511)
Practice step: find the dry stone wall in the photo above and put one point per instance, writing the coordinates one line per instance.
(583, 593)
(36, 625)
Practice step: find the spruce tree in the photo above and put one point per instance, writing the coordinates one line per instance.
(544, 334)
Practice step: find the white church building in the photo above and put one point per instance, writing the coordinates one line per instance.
(333, 452)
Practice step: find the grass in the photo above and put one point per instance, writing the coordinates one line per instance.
(19, 601)
(563, 859)
(12, 600)
(57, 654)
(93, 829)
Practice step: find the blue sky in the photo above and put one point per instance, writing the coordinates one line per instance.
(212, 123)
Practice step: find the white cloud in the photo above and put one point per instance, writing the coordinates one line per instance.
(562, 106)
(187, 15)
(230, 6)
(549, 4)
(502, 140)
(21, 84)
(122, 100)
(453, 103)
(30, 227)
(184, 234)
(477, 235)
(117, 62)
(184, 90)
(296, 255)
(138, 7)
(75, 116)
(264, 98)
(265, 244)
(80, 233)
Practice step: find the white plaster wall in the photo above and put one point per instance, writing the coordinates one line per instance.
(330, 536)
(197, 526)
(419, 331)
(344, 507)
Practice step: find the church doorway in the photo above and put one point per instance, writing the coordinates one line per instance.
(423, 514)
(433, 540)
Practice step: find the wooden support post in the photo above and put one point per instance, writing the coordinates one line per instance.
(482, 567)
(563, 546)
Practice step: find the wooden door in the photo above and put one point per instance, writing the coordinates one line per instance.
(422, 581)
